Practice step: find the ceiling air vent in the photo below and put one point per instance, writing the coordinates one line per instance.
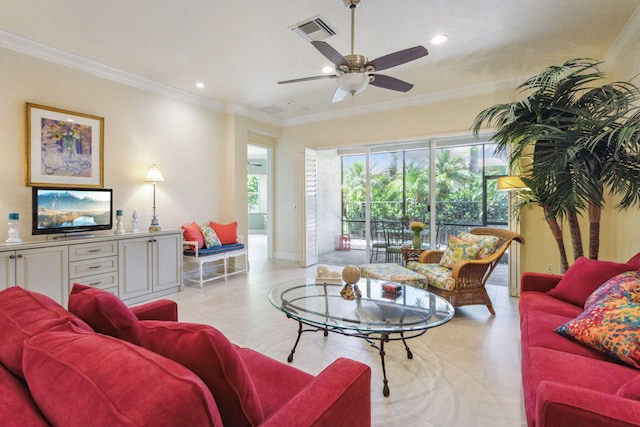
(314, 29)
(271, 109)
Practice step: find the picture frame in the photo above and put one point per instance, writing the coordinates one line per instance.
(64, 148)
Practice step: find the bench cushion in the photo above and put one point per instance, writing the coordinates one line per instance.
(215, 250)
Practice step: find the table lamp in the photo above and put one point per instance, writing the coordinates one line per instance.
(511, 183)
(154, 176)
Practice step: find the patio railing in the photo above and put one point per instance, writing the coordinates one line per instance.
(451, 218)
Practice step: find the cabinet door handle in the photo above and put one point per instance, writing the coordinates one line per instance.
(19, 255)
(94, 250)
(93, 267)
(12, 257)
(95, 283)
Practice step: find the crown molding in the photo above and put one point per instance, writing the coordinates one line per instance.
(629, 35)
(431, 98)
(48, 53)
(254, 114)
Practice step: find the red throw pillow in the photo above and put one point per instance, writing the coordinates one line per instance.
(105, 312)
(16, 405)
(24, 314)
(192, 233)
(635, 260)
(84, 379)
(584, 277)
(226, 232)
(207, 352)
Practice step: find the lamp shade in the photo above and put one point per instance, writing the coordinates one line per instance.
(353, 82)
(154, 175)
(511, 183)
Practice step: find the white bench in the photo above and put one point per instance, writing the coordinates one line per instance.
(226, 255)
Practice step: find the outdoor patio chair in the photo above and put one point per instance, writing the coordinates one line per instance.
(377, 244)
(395, 233)
(464, 284)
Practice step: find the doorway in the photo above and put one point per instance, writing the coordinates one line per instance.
(259, 202)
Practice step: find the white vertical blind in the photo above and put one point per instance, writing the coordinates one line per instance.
(308, 210)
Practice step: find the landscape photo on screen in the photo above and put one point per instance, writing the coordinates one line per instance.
(71, 208)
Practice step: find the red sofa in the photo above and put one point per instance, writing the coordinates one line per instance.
(565, 382)
(102, 364)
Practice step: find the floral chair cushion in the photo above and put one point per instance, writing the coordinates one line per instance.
(393, 273)
(436, 275)
(458, 250)
(488, 244)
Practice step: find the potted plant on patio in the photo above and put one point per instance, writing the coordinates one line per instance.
(573, 141)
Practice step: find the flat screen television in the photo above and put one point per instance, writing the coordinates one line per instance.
(73, 212)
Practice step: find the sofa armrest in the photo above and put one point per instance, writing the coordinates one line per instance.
(163, 309)
(339, 395)
(560, 405)
(540, 282)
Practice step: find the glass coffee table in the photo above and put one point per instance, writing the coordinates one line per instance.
(378, 315)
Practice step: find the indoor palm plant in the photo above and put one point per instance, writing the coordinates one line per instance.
(579, 140)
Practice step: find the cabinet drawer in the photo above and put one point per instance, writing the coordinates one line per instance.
(92, 250)
(102, 281)
(93, 267)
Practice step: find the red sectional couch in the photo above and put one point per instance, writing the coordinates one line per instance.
(567, 383)
(103, 364)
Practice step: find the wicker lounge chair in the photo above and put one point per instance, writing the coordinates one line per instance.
(469, 276)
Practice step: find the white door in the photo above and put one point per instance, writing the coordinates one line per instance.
(308, 211)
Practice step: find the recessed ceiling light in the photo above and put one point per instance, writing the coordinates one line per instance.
(327, 69)
(439, 39)
(199, 85)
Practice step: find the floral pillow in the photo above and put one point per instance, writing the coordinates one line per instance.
(624, 285)
(458, 250)
(211, 239)
(488, 244)
(611, 326)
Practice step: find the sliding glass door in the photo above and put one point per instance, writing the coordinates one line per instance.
(448, 185)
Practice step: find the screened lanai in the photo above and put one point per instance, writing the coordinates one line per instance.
(448, 184)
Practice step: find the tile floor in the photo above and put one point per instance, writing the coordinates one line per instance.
(464, 373)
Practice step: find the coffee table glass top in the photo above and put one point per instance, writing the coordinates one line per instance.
(377, 311)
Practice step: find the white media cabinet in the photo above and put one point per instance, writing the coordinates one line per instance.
(135, 266)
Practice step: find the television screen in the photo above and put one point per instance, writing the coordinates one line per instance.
(71, 210)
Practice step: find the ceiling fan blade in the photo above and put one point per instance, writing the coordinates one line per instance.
(330, 53)
(391, 83)
(339, 95)
(306, 79)
(399, 58)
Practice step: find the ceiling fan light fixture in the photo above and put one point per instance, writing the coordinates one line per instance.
(353, 82)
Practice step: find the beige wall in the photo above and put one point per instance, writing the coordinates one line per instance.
(186, 142)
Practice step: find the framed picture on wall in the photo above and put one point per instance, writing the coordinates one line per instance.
(64, 148)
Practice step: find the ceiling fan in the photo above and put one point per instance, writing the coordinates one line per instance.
(355, 72)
